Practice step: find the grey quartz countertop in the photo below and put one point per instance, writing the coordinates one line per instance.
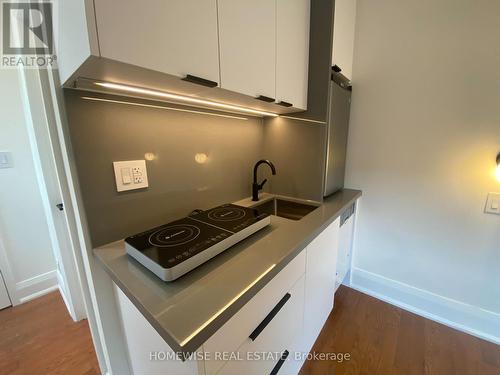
(187, 311)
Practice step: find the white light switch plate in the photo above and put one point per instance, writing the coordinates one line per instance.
(130, 175)
(493, 204)
(5, 160)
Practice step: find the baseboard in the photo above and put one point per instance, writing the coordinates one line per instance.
(455, 314)
(37, 286)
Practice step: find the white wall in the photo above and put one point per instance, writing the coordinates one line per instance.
(24, 233)
(424, 134)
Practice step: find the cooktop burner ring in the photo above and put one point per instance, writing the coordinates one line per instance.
(174, 235)
(227, 214)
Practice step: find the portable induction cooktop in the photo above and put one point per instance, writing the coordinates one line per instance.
(174, 249)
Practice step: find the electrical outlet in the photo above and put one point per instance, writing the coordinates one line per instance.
(130, 175)
(493, 204)
(138, 176)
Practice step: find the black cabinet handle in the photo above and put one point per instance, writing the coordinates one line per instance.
(285, 104)
(60, 206)
(265, 98)
(256, 332)
(199, 81)
(278, 365)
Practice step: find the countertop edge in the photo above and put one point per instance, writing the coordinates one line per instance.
(201, 337)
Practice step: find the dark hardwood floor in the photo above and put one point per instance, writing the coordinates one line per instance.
(39, 337)
(384, 339)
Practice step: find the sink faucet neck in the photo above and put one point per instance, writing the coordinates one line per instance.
(255, 185)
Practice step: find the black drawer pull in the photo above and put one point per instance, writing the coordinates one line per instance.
(265, 98)
(282, 360)
(285, 104)
(199, 81)
(256, 332)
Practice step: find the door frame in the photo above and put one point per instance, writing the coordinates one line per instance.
(8, 278)
(45, 98)
(48, 172)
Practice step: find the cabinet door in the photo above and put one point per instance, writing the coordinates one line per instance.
(247, 39)
(234, 333)
(292, 51)
(147, 350)
(320, 281)
(346, 235)
(343, 35)
(277, 337)
(178, 37)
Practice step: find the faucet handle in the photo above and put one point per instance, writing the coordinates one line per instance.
(262, 183)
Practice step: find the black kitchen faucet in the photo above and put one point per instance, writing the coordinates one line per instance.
(256, 186)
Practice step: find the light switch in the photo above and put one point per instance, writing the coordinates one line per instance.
(126, 179)
(493, 204)
(5, 160)
(130, 175)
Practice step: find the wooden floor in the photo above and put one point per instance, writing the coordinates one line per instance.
(383, 339)
(39, 337)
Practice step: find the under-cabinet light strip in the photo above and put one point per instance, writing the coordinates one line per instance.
(181, 98)
(212, 318)
(162, 107)
(304, 119)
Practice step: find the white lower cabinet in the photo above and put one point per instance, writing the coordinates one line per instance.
(262, 355)
(286, 316)
(346, 235)
(143, 343)
(233, 336)
(320, 282)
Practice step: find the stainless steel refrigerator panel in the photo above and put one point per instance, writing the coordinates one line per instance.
(338, 127)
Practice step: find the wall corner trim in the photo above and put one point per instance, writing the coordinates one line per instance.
(452, 313)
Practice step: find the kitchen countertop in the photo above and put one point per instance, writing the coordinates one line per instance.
(187, 311)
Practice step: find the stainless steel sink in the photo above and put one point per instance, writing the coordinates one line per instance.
(288, 209)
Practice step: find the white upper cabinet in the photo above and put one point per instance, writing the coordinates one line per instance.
(343, 35)
(249, 48)
(292, 51)
(177, 37)
(247, 40)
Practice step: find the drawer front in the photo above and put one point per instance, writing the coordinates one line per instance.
(237, 330)
(254, 356)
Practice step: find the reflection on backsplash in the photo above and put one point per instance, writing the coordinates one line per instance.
(193, 161)
(149, 156)
(201, 158)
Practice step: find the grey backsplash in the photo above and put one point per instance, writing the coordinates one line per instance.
(297, 148)
(103, 132)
